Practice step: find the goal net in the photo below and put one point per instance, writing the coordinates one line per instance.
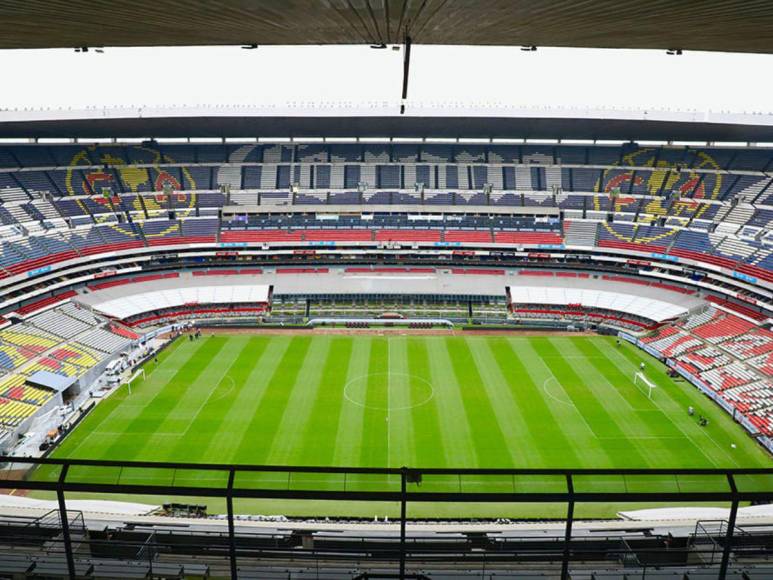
(140, 374)
(645, 385)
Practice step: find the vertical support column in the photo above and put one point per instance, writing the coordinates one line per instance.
(231, 533)
(65, 523)
(406, 69)
(730, 529)
(403, 505)
(568, 530)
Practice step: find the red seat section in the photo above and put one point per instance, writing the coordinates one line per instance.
(528, 238)
(408, 235)
(236, 236)
(479, 236)
(338, 235)
(38, 304)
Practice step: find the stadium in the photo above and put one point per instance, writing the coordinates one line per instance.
(388, 341)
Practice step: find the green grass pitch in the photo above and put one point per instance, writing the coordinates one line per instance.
(419, 401)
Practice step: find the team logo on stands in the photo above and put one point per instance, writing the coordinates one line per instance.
(644, 173)
(110, 174)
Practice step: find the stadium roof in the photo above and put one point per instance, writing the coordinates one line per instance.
(718, 25)
(380, 121)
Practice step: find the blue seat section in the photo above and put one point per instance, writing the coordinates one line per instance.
(573, 202)
(388, 177)
(507, 199)
(311, 154)
(695, 241)
(9, 254)
(212, 153)
(702, 158)
(437, 153)
(197, 178)
(7, 158)
(470, 154)
(306, 198)
(766, 262)
(81, 220)
(87, 238)
(480, 175)
(571, 155)
(403, 198)
(655, 235)
(35, 181)
(405, 153)
(472, 198)
(120, 232)
(734, 185)
(199, 227)
(345, 197)
(210, 199)
(762, 218)
(604, 155)
(378, 197)
(322, 176)
(179, 153)
(351, 176)
(540, 154)
(341, 153)
(6, 218)
(503, 154)
(159, 229)
(251, 177)
(376, 154)
(34, 156)
(752, 159)
(616, 232)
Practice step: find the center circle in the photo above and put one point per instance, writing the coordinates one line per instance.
(383, 391)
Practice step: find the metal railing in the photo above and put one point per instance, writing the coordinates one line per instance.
(404, 486)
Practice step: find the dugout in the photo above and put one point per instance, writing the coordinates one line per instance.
(66, 387)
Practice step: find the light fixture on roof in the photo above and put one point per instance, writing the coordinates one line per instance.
(381, 46)
(82, 49)
(674, 52)
(529, 48)
(252, 46)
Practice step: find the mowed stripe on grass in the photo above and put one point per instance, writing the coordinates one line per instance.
(423, 401)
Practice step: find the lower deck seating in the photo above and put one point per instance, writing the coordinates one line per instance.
(731, 356)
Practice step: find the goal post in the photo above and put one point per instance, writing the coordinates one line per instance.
(644, 384)
(140, 374)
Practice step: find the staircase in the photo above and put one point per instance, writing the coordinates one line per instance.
(580, 233)
(739, 215)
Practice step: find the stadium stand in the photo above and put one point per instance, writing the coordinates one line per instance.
(727, 354)
(609, 200)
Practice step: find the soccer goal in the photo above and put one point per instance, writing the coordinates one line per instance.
(140, 374)
(641, 381)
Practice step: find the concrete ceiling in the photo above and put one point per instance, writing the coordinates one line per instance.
(718, 25)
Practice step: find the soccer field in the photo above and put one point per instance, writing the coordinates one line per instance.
(419, 401)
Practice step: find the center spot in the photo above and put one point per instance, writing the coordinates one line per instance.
(389, 391)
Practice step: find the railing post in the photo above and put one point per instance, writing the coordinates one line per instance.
(568, 530)
(403, 502)
(730, 528)
(65, 523)
(229, 500)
